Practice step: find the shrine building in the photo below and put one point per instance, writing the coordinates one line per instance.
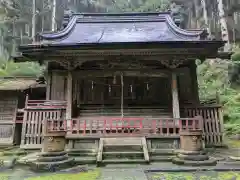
(119, 76)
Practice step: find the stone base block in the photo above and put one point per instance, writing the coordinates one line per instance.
(52, 166)
(190, 152)
(234, 158)
(52, 161)
(190, 157)
(209, 162)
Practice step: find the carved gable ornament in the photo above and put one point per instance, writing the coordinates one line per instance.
(123, 63)
(172, 63)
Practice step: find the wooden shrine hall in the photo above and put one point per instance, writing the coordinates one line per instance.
(112, 75)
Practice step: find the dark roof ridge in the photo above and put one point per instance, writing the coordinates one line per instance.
(120, 17)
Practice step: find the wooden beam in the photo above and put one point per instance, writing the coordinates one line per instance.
(175, 97)
(69, 98)
(106, 73)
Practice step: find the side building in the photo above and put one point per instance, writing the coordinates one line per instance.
(13, 93)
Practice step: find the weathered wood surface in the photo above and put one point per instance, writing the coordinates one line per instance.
(108, 126)
(35, 113)
(8, 111)
(107, 90)
(212, 122)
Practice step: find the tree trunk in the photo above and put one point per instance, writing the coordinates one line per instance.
(197, 13)
(54, 15)
(34, 21)
(223, 24)
(205, 16)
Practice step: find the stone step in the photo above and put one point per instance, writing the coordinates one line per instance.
(52, 159)
(124, 153)
(52, 154)
(120, 155)
(161, 158)
(110, 161)
(85, 160)
(162, 152)
(51, 166)
(82, 154)
(82, 151)
(209, 162)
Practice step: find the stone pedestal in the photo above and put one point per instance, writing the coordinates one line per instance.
(54, 142)
(191, 152)
(191, 140)
(53, 156)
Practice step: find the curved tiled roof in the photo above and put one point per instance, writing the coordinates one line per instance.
(120, 28)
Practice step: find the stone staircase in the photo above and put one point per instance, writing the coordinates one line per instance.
(123, 150)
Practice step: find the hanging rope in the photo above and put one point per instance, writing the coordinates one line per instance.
(112, 85)
(122, 91)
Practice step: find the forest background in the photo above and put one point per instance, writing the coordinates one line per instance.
(21, 20)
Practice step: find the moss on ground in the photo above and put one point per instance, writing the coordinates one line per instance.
(195, 176)
(234, 143)
(91, 175)
(4, 176)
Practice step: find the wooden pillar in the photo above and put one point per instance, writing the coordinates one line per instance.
(175, 97)
(49, 84)
(194, 82)
(69, 98)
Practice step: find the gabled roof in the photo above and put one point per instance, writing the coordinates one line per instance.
(115, 34)
(120, 28)
(18, 83)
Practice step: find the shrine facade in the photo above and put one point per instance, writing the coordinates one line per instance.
(111, 75)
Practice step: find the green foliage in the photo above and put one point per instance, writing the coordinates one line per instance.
(232, 129)
(91, 175)
(198, 175)
(131, 5)
(214, 76)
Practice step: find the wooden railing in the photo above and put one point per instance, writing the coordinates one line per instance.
(55, 125)
(212, 122)
(43, 104)
(107, 126)
(46, 104)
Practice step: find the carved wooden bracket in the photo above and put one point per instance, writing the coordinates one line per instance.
(68, 63)
(172, 63)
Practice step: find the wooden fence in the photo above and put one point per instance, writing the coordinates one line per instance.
(35, 113)
(212, 122)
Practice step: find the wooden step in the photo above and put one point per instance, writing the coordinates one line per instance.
(132, 141)
(125, 107)
(118, 114)
(126, 111)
